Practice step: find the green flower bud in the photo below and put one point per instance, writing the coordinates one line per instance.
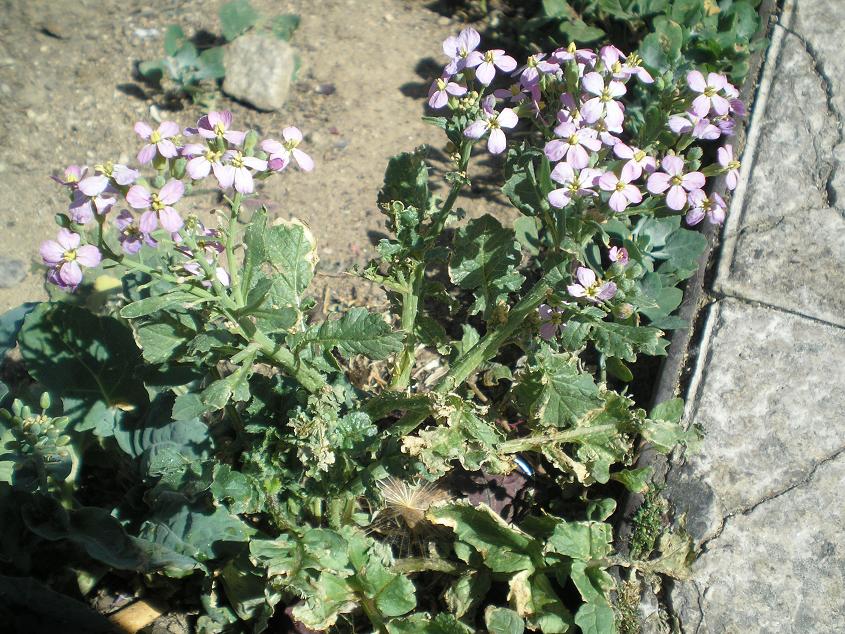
(45, 401)
(177, 170)
(250, 140)
(623, 311)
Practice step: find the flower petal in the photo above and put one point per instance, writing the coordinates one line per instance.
(305, 162)
(143, 130)
(88, 255)
(138, 197)
(172, 191)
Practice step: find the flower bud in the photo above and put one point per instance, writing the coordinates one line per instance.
(249, 142)
(62, 220)
(177, 170)
(44, 403)
(623, 311)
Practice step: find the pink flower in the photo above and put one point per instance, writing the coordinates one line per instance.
(618, 254)
(572, 145)
(623, 194)
(713, 208)
(438, 94)
(461, 51)
(591, 288)
(215, 125)
(698, 127)
(157, 206)
(673, 179)
(65, 258)
(93, 194)
(485, 68)
(637, 161)
(131, 237)
(233, 169)
(494, 122)
(529, 74)
(729, 165)
(72, 175)
(281, 153)
(201, 159)
(580, 55)
(603, 104)
(709, 89)
(574, 184)
(159, 140)
(550, 319)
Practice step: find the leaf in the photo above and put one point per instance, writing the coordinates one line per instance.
(527, 233)
(635, 480)
(520, 185)
(616, 368)
(239, 490)
(10, 324)
(92, 361)
(579, 31)
(466, 593)
(192, 529)
(625, 341)
(406, 181)
(283, 26)
(159, 341)
(484, 259)
(671, 410)
(581, 540)
(210, 64)
(503, 547)
(291, 251)
(234, 387)
(166, 447)
(174, 39)
(358, 331)
(596, 618)
(534, 599)
(150, 305)
(38, 608)
(236, 17)
(503, 621)
(188, 406)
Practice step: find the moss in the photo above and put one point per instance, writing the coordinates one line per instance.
(648, 525)
(627, 606)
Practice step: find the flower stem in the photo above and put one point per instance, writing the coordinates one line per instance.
(231, 261)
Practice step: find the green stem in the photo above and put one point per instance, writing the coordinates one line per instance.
(518, 445)
(231, 261)
(411, 297)
(424, 564)
(308, 377)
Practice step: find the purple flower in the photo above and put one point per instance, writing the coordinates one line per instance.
(72, 175)
(461, 51)
(215, 125)
(729, 165)
(591, 288)
(713, 208)
(233, 169)
(623, 194)
(157, 206)
(550, 320)
(281, 153)
(673, 179)
(65, 258)
(485, 68)
(516, 93)
(159, 140)
(201, 159)
(580, 55)
(698, 127)
(123, 175)
(709, 89)
(438, 94)
(603, 104)
(637, 161)
(633, 66)
(618, 254)
(574, 184)
(529, 74)
(131, 237)
(572, 145)
(494, 122)
(93, 194)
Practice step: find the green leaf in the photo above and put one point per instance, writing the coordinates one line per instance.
(291, 251)
(527, 233)
(484, 259)
(579, 31)
(581, 540)
(520, 187)
(167, 447)
(174, 39)
(503, 621)
(188, 406)
(616, 368)
(210, 64)
(10, 324)
(150, 305)
(239, 490)
(535, 600)
(467, 592)
(159, 341)
(234, 387)
(358, 331)
(635, 480)
(625, 341)
(503, 547)
(92, 361)
(671, 410)
(236, 17)
(423, 623)
(406, 181)
(283, 26)
(596, 618)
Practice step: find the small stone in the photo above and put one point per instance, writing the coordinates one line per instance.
(443, 21)
(12, 272)
(325, 89)
(259, 71)
(56, 28)
(388, 17)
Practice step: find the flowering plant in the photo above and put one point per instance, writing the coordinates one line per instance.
(261, 470)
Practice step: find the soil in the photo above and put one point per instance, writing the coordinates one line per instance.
(71, 94)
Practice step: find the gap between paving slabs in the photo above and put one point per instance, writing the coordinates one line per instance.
(674, 375)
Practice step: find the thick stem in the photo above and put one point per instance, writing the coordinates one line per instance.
(308, 377)
(424, 564)
(231, 261)
(518, 445)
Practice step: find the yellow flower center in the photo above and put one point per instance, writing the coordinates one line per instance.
(155, 137)
(639, 156)
(69, 256)
(709, 91)
(620, 186)
(156, 203)
(676, 180)
(219, 129)
(238, 160)
(441, 84)
(573, 139)
(734, 165)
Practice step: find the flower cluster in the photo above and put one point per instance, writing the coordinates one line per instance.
(180, 159)
(575, 97)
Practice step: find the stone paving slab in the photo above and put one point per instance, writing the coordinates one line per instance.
(783, 245)
(769, 394)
